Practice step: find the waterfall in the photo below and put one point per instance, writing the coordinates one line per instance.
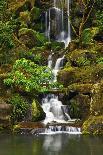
(58, 65)
(50, 61)
(58, 27)
(51, 105)
(56, 112)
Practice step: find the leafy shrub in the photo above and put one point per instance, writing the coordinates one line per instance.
(100, 60)
(29, 76)
(99, 19)
(20, 107)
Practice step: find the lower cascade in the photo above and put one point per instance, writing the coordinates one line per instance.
(57, 118)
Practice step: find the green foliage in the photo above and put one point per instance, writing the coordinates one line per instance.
(20, 107)
(34, 38)
(88, 34)
(3, 6)
(99, 19)
(100, 60)
(6, 35)
(83, 61)
(34, 14)
(74, 109)
(29, 76)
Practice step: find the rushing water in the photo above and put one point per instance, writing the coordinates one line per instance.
(59, 144)
(57, 21)
(55, 111)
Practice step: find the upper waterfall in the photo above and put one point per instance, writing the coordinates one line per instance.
(57, 22)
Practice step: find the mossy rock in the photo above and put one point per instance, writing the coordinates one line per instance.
(79, 106)
(37, 112)
(96, 106)
(24, 17)
(83, 75)
(5, 112)
(17, 6)
(31, 38)
(80, 57)
(34, 14)
(80, 88)
(94, 125)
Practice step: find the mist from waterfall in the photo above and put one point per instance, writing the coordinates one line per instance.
(57, 22)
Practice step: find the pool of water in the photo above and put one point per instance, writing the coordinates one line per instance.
(58, 144)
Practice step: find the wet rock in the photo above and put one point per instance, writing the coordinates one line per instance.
(37, 112)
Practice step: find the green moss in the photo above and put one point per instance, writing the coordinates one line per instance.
(81, 88)
(37, 112)
(34, 14)
(94, 125)
(83, 75)
(25, 17)
(82, 57)
(31, 38)
(79, 106)
(96, 105)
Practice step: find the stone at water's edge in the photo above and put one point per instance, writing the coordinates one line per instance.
(39, 128)
(5, 112)
(93, 125)
(37, 112)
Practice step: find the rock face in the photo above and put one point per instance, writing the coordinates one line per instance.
(83, 78)
(37, 112)
(5, 112)
(30, 38)
(94, 124)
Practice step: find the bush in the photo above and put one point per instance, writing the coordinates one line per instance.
(29, 77)
(20, 107)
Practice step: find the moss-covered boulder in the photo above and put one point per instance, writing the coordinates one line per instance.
(24, 18)
(37, 112)
(80, 106)
(83, 75)
(17, 6)
(80, 88)
(80, 57)
(93, 125)
(96, 106)
(31, 38)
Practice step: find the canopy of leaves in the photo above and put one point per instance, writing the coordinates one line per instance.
(28, 76)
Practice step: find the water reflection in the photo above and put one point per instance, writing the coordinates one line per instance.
(59, 144)
(52, 143)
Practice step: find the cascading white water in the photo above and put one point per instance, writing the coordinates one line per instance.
(58, 65)
(60, 23)
(50, 61)
(55, 111)
(50, 104)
